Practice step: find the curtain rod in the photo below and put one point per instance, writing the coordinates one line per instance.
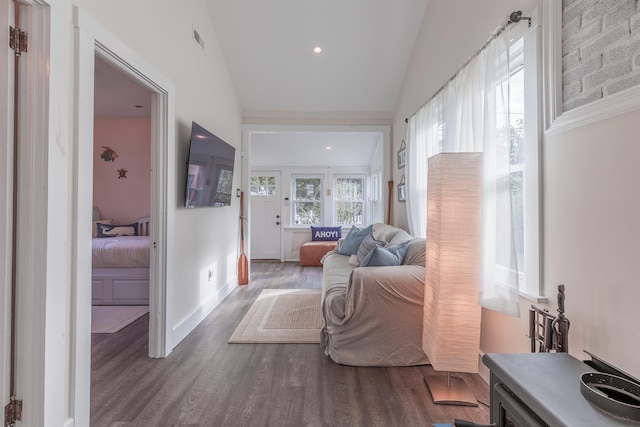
(515, 17)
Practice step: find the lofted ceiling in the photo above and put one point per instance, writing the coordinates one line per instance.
(268, 47)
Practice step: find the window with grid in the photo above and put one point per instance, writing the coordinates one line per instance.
(307, 200)
(262, 185)
(350, 200)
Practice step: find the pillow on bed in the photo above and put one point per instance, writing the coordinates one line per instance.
(106, 230)
(392, 255)
(351, 243)
(94, 232)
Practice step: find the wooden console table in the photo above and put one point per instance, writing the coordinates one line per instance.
(538, 389)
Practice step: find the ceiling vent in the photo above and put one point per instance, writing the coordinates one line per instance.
(197, 38)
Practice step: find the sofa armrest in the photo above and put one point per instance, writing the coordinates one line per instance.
(390, 286)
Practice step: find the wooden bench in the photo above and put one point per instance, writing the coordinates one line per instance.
(312, 252)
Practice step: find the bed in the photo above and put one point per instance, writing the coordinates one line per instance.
(120, 263)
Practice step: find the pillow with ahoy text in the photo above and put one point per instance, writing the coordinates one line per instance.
(106, 230)
(326, 233)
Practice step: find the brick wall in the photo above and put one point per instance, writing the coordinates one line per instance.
(600, 49)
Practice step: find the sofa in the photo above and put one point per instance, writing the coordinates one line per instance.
(372, 307)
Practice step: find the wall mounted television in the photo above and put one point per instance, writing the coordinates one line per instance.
(209, 170)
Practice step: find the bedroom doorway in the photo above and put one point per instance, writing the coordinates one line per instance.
(95, 41)
(121, 197)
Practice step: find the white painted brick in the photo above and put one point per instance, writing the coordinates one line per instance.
(601, 8)
(588, 66)
(572, 90)
(570, 29)
(567, 3)
(573, 103)
(598, 10)
(571, 60)
(616, 54)
(621, 13)
(575, 9)
(583, 36)
(605, 74)
(635, 24)
(600, 48)
(622, 84)
(601, 42)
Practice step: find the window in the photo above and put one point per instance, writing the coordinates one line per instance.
(262, 185)
(307, 200)
(349, 199)
(524, 126)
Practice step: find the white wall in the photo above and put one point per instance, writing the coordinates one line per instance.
(206, 238)
(591, 200)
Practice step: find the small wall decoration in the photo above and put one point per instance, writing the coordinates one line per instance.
(402, 190)
(402, 155)
(122, 173)
(108, 155)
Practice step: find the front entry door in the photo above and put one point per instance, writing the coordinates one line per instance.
(265, 220)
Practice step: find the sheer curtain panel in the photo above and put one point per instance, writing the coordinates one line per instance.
(471, 113)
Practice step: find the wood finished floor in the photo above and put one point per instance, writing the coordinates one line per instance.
(208, 382)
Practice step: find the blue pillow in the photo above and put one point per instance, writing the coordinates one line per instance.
(379, 256)
(351, 243)
(325, 233)
(108, 230)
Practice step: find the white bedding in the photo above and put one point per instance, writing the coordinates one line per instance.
(121, 251)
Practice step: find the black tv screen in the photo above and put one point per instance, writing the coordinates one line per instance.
(209, 170)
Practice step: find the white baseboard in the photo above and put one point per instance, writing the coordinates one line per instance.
(193, 319)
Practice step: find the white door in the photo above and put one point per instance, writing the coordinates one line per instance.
(6, 199)
(266, 217)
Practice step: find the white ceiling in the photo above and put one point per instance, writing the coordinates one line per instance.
(308, 148)
(268, 44)
(268, 48)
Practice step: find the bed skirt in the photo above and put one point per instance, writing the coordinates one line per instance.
(120, 286)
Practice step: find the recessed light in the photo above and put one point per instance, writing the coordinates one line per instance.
(317, 49)
(328, 147)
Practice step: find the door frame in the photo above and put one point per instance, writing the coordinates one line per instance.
(280, 237)
(93, 40)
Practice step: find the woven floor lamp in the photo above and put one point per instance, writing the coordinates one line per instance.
(451, 324)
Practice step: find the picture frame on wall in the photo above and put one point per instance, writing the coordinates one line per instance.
(402, 155)
(402, 190)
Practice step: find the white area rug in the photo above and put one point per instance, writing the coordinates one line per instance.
(282, 316)
(107, 319)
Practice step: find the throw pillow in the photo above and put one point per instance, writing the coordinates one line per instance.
(94, 232)
(325, 233)
(379, 256)
(106, 230)
(352, 242)
(367, 245)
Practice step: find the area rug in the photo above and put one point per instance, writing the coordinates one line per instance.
(107, 319)
(282, 316)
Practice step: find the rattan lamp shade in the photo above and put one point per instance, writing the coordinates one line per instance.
(451, 326)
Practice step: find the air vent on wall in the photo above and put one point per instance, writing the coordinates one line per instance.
(197, 38)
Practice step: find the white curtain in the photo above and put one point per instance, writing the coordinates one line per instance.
(471, 113)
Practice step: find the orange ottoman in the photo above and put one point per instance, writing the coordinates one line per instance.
(312, 252)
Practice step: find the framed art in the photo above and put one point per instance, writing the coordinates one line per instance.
(402, 155)
(402, 190)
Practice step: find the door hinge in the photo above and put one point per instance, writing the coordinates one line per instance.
(17, 40)
(12, 412)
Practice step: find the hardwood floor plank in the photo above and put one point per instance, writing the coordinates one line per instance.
(208, 382)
